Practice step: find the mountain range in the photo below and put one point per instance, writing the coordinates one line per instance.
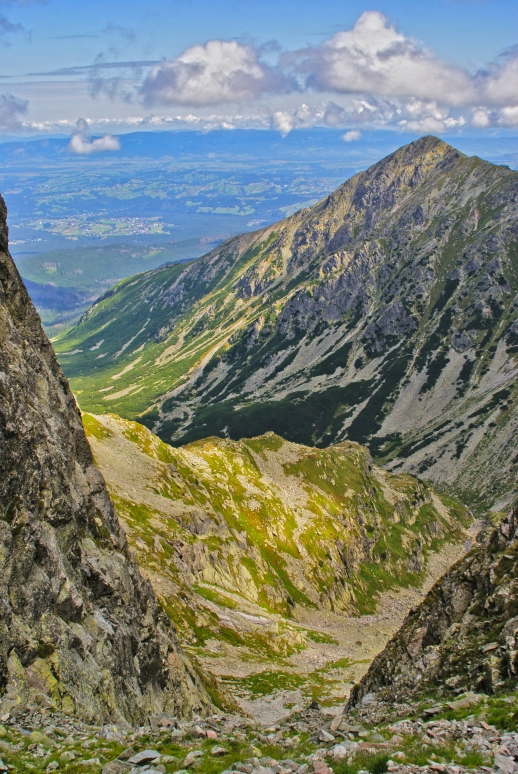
(386, 314)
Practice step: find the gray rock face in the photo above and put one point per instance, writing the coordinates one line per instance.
(464, 635)
(79, 627)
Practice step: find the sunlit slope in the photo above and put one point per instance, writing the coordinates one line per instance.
(385, 314)
(279, 524)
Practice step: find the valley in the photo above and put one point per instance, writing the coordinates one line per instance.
(285, 568)
(283, 522)
(63, 284)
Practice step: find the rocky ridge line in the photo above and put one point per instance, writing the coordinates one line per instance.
(385, 314)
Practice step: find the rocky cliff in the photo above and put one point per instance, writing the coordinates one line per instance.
(464, 635)
(386, 314)
(79, 627)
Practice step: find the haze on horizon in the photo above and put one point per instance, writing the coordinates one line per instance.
(442, 67)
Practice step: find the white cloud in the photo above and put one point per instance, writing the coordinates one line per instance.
(370, 75)
(81, 144)
(218, 72)
(481, 118)
(302, 117)
(374, 58)
(11, 109)
(499, 85)
(508, 117)
(351, 136)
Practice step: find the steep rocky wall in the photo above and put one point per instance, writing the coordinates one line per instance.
(79, 626)
(464, 635)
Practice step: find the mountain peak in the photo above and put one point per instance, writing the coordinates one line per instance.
(374, 316)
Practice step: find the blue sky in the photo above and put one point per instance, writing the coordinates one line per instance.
(427, 65)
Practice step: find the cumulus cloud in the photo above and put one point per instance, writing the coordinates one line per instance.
(499, 85)
(351, 136)
(369, 75)
(217, 72)
(11, 109)
(81, 143)
(374, 58)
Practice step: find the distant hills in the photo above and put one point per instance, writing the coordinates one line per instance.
(64, 283)
(386, 314)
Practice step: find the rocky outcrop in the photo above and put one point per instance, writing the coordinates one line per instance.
(464, 635)
(79, 627)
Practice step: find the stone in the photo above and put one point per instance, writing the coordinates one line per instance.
(289, 764)
(431, 711)
(67, 756)
(325, 736)
(117, 767)
(505, 763)
(146, 756)
(53, 766)
(126, 754)
(339, 752)
(191, 757)
(465, 701)
(218, 750)
(319, 766)
(335, 723)
(3, 767)
(211, 734)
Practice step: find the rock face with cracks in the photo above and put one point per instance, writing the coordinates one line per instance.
(79, 627)
(464, 635)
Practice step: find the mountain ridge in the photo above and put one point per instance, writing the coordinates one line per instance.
(272, 557)
(383, 314)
